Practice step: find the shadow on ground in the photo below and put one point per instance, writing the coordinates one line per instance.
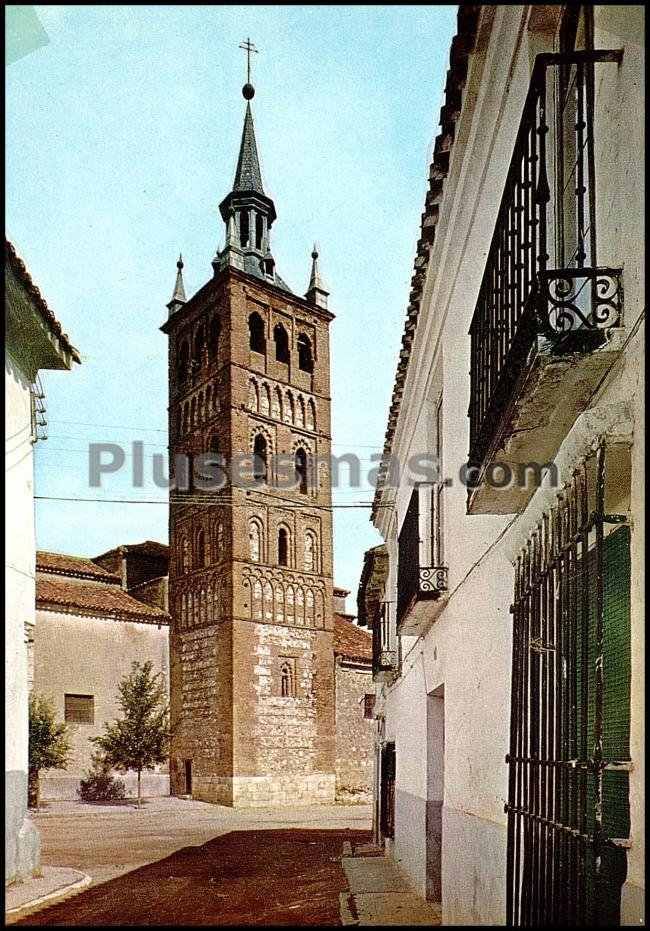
(284, 877)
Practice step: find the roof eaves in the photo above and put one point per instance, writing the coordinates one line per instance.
(461, 47)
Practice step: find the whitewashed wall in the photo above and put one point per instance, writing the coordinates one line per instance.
(21, 838)
(467, 650)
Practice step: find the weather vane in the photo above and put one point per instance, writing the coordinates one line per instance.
(248, 89)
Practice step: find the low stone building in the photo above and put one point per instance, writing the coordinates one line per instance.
(88, 631)
(354, 704)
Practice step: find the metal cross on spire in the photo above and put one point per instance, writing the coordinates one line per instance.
(248, 47)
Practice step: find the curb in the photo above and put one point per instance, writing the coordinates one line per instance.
(50, 898)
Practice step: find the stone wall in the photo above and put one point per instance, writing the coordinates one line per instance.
(354, 733)
(201, 717)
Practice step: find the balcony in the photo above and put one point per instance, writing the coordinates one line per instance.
(421, 573)
(544, 330)
(384, 658)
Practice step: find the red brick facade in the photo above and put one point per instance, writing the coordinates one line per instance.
(250, 574)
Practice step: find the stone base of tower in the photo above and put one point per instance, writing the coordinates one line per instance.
(265, 791)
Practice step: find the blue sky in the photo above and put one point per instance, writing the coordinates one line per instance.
(122, 137)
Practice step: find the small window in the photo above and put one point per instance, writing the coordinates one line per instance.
(255, 541)
(257, 339)
(301, 470)
(281, 341)
(260, 460)
(199, 344)
(259, 230)
(283, 547)
(183, 361)
(305, 356)
(243, 227)
(311, 554)
(368, 706)
(288, 678)
(80, 709)
(200, 549)
(215, 335)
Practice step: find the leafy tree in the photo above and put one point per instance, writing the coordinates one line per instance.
(140, 738)
(49, 745)
(99, 785)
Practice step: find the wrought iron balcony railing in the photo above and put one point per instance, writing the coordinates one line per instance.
(421, 573)
(527, 300)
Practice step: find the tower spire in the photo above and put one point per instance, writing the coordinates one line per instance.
(316, 292)
(248, 176)
(178, 297)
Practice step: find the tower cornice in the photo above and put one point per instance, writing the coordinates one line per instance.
(228, 273)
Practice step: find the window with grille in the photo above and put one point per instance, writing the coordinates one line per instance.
(80, 709)
(569, 760)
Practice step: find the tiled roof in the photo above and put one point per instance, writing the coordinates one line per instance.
(78, 566)
(248, 176)
(350, 641)
(89, 599)
(39, 301)
(461, 47)
(148, 546)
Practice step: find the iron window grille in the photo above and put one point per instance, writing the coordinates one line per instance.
(568, 808)
(549, 199)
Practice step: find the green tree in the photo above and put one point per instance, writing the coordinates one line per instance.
(140, 738)
(49, 746)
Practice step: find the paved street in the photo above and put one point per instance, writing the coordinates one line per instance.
(187, 862)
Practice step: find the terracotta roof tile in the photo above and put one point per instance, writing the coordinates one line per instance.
(78, 566)
(351, 641)
(40, 303)
(88, 598)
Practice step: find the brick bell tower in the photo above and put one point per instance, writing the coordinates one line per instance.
(250, 575)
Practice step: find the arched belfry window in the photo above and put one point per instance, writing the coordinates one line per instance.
(257, 339)
(253, 395)
(305, 355)
(243, 227)
(283, 546)
(300, 462)
(187, 557)
(260, 459)
(311, 415)
(255, 540)
(199, 343)
(259, 230)
(287, 680)
(183, 361)
(311, 552)
(281, 341)
(215, 336)
(200, 549)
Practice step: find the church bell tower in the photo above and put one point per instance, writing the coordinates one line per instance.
(250, 575)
